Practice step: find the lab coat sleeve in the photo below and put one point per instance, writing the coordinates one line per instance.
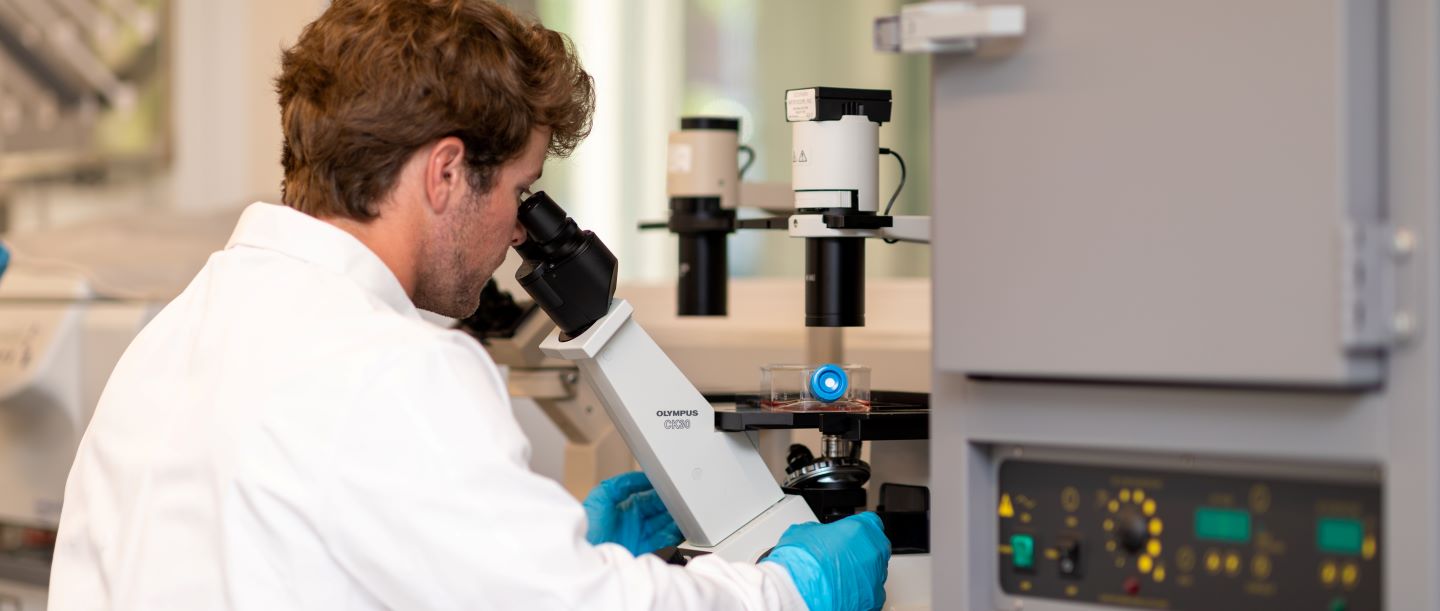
(432, 506)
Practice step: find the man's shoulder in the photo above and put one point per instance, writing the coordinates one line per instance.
(411, 382)
(387, 338)
(311, 303)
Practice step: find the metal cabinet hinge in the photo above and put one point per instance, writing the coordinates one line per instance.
(1369, 255)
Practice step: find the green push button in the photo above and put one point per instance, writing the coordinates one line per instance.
(1339, 604)
(1022, 552)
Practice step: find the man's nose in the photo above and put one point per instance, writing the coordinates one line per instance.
(517, 234)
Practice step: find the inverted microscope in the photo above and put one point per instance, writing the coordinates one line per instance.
(835, 186)
(700, 452)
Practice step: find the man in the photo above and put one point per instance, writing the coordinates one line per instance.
(288, 433)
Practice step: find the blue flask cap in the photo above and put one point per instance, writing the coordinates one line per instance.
(828, 382)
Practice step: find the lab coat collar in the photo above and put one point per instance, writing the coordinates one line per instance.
(293, 233)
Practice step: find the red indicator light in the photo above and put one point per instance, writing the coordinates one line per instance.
(1132, 586)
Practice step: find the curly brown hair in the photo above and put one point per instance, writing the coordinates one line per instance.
(372, 81)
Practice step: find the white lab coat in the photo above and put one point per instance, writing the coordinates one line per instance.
(289, 434)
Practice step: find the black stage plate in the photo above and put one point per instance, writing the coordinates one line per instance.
(892, 416)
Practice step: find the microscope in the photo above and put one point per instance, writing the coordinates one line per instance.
(835, 179)
(701, 454)
(836, 205)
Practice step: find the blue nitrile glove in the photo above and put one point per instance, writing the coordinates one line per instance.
(625, 509)
(839, 566)
(4, 258)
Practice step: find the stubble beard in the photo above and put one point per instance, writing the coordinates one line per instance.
(448, 285)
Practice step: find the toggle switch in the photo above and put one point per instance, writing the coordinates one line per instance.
(1022, 552)
(1070, 559)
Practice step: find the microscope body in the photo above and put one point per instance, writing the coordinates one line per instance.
(572, 439)
(715, 484)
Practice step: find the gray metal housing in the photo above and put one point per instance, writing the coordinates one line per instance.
(1154, 226)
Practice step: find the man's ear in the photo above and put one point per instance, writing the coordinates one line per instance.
(444, 170)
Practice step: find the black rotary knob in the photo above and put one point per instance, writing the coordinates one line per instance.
(1132, 530)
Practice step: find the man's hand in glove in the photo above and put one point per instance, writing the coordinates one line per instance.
(839, 566)
(625, 509)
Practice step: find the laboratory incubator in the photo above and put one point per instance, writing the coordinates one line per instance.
(1184, 293)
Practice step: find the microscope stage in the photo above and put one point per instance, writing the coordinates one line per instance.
(892, 416)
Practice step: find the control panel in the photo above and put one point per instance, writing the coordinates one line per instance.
(1187, 541)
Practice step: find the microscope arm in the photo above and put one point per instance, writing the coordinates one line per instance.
(719, 491)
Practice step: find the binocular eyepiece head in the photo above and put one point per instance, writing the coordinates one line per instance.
(567, 271)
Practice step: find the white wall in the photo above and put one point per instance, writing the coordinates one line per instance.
(616, 178)
(227, 119)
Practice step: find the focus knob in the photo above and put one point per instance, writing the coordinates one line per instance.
(1132, 530)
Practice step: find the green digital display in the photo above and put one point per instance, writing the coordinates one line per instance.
(1221, 524)
(1339, 536)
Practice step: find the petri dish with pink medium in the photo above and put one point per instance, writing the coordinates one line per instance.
(826, 387)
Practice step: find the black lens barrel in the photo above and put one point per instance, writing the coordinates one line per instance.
(834, 282)
(703, 287)
(702, 226)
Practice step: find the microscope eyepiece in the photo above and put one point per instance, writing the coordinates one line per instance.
(549, 233)
(568, 272)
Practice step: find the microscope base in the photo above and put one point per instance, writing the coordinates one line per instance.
(759, 535)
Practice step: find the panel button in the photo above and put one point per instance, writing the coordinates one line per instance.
(1212, 562)
(1350, 575)
(1260, 566)
(1328, 573)
(1232, 564)
(1022, 552)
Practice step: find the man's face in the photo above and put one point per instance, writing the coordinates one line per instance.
(471, 238)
